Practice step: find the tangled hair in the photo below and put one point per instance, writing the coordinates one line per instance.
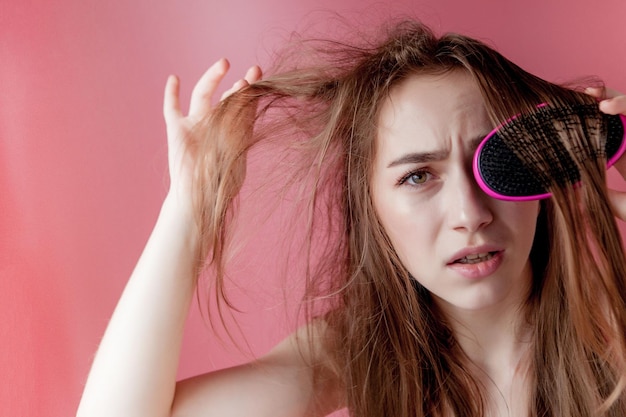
(390, 347)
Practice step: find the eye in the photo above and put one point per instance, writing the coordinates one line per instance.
(415, 178)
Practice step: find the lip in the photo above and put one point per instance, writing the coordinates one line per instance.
(480, 269)
(473, 250)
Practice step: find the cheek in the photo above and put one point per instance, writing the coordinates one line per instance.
(522, 218)
(410, 231)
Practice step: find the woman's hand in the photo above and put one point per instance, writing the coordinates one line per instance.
(181, 129)
(613, 102)
(134, 371)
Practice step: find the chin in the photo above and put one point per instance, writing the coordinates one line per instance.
(475, 302)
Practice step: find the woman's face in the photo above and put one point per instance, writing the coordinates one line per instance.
(469, 250)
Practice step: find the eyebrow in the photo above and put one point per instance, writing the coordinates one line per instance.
(418, 158)
(438, 155)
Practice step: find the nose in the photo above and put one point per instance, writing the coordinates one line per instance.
(469, 209)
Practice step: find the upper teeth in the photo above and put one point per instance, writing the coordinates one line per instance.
(475, 258)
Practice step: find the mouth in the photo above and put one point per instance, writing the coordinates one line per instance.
(475, 263)
(475, 258)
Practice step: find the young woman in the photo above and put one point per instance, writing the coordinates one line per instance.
(441, 301)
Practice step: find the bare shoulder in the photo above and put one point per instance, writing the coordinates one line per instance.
(279, 384)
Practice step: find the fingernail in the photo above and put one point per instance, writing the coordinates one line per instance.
(222, 64)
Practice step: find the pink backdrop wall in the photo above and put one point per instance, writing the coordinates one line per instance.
(82, 152)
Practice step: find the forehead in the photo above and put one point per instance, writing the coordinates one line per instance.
(429, 111)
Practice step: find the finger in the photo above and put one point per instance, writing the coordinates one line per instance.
(238, 85)
(602, 92)
(253, 74)
(618, 203)
(597, 92)
(610, 101)
(205, 88)
(614, 105)
(171, 103)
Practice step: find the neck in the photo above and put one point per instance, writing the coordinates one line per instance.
(496, 341)
(494, 336)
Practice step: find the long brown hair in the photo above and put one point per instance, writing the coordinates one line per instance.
(392, 350)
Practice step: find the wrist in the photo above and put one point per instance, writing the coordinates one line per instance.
(179, 201)
(179, 211)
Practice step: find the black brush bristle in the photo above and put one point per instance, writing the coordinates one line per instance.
(504, 172)
(554, 138)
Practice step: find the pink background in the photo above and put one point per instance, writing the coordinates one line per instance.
(82, 153)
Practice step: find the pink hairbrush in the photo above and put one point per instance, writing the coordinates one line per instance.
(502, 174)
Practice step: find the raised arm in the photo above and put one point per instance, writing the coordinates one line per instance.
(134, 371)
